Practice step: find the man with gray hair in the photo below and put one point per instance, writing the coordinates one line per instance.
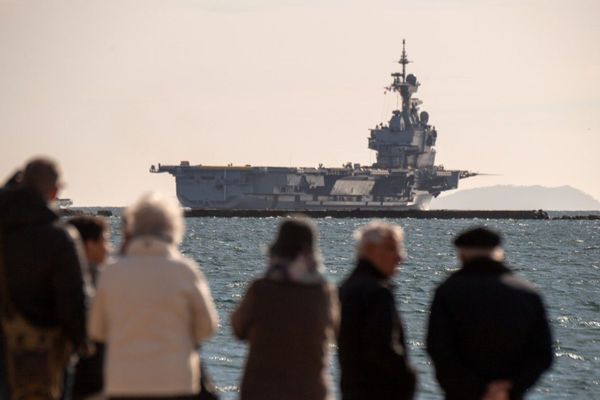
(41, 272)
(372, 350)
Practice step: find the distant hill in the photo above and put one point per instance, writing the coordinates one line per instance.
(508, 197)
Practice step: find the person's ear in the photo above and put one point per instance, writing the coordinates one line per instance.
(53, 194)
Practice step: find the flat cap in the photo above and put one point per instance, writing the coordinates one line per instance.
(480, 238)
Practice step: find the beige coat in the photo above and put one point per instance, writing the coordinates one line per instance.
(152, 308)
(289, 327)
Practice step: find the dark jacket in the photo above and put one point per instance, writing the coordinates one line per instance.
(372, 351)
(88, 378)
(487, 324)
(42, 263)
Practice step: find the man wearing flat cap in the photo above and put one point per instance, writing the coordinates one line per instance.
(488, 334)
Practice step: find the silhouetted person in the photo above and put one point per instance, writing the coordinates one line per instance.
(372, 350)
(488, 335)
(152, 308)
(88, 378)
(42, 267)
(289, 318)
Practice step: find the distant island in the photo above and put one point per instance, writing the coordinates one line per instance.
(509, 197)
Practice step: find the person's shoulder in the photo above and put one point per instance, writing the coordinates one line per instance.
(59, 234)
(111, 272)
(519, 283)
(324, 290)
(450, 283)
(186, 266)
(361, 288)
(263, 283)
(357, 282)
(67, 231)
(452, 277)
(117, 264)
(258, 287)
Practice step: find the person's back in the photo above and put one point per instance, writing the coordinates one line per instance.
(487, 325)
(291, 327)
(41, 264)
(41, 257)
(147, 300)
(153, 308)
(289, 318)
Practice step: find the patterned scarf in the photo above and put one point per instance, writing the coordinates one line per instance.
(306, 268)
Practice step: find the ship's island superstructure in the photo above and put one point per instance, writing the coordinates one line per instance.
(404, 176)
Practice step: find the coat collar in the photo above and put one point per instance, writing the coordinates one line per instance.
(484, 266)
(150, 246)
(367, 268)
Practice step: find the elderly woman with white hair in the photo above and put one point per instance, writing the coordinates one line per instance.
(152, 308)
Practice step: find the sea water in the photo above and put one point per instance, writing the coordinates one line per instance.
(562, 258)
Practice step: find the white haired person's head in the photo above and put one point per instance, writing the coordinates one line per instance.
(382, 245)
(157, 216)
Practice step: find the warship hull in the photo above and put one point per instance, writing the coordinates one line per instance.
(298, 189)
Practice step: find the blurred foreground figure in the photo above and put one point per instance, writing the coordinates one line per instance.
(88, 377)
(93, 232)
(289, 317)
(152, 308)
(372, 350)
(488, 334)
(41, 286)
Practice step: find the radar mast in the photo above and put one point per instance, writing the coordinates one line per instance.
(403, 84)
(404, 60)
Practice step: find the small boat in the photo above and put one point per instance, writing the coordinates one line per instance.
(64, 203)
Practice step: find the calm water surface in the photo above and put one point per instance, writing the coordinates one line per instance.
(561, 257)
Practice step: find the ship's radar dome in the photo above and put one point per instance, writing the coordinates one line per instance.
(424, 116)
(411, 79)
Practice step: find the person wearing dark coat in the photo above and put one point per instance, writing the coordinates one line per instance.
(88, 378)
(372, 349)
(488, 334)
(42, 258)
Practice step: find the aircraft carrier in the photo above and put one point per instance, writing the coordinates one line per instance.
(404, 177)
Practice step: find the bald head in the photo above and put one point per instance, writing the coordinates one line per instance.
(43, 176)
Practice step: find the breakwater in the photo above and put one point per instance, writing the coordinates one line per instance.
(361, 213)
(416, 214)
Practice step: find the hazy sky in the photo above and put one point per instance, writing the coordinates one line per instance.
(111, 87)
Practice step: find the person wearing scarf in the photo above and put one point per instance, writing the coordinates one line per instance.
(289, 317)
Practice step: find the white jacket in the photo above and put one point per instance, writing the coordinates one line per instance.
(152, 308)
